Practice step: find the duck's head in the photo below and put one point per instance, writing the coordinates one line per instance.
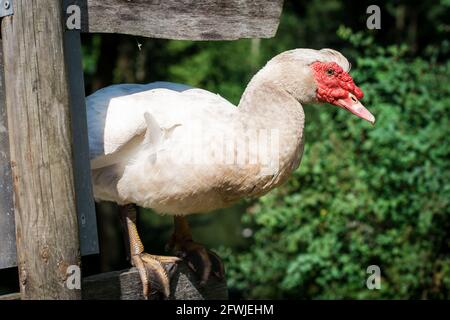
(312, 76)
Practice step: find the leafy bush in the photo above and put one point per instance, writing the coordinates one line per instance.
(363, 195)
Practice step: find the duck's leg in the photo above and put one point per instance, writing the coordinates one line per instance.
(202, 261)
(154, 275)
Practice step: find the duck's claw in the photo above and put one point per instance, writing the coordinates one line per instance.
(155, 273)
(202, 261)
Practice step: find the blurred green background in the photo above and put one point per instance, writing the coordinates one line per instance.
(363, 195)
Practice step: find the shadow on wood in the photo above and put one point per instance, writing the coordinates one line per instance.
(126, 285)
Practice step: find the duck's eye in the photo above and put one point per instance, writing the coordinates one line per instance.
(330, 72)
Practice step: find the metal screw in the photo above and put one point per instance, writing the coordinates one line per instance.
(6, 5)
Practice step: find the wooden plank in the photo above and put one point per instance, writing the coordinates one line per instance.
(37, 100)
(7, 230)
(126, 285)
(11, 296)
(183, 19)
(87, 221)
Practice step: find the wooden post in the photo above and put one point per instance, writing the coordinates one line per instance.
(37, 99)
(7, 234)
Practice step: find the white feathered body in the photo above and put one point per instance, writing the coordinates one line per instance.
(160, 145)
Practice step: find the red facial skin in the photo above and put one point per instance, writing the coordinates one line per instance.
(336, 87)
(333, 83)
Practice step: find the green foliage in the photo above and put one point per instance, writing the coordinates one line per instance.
(363, 195)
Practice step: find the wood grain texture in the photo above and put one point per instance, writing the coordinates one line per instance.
(37, 100)
(126, 285)
(7, 230)
(183, 19)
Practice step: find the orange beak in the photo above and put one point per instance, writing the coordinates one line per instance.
(352, 104)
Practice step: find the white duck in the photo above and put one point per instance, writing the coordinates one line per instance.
(180, 150)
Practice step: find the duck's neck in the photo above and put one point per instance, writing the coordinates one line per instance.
(268, 100)
(266, 105)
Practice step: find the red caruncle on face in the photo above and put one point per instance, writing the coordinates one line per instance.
(333, 83)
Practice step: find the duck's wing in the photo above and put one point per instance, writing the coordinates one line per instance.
(121, 116)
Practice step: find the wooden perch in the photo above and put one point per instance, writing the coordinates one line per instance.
(126, 285)
(183, 20)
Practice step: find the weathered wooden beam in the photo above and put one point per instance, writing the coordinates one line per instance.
(11, 296)
(7, 231)
(183, 19)
(87, 220)
(126, 285)
(37, 100)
